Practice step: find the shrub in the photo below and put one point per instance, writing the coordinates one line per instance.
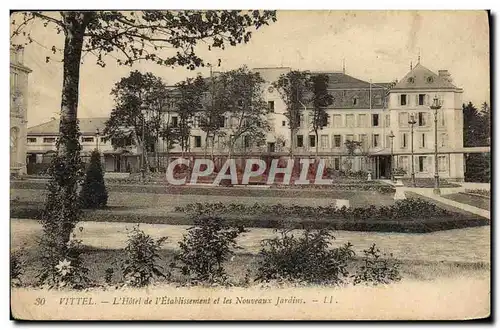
(402, 209)
(307, 258)
(16, 269)
(205, 248)
(140, 265)
(67, 272)
(94, 194)
(376, 270)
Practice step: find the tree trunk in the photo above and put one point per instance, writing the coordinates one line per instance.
(62, 210)
(317, 142)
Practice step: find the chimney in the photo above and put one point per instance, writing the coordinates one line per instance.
(445, 75)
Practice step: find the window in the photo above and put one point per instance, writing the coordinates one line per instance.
(376, 140)
(364, 141)
(324, 141)
(337, 141)
(403, 119)
(103, 140)
(246, 142)
(422, 164)
(336, 163)
(283, 123)
(337, 120)
(196, 121)
(362, 121)
(404, 140)
(300, 141)
(349, 137)
(31, 140)
(388, 141)
(423, 119)
(375, 120)
(222, 121)
(87, 139)
(270, 106)
(312, 141)
(421, 99)
(442, 164)
(354, 101)
(422, 140)
(402, 99)
(49, 140)
(403, 162)
(197, 141)
(302, 119)
(349, 120)
(387, 120)
(175, 121)
(378, 100)
(443, 139)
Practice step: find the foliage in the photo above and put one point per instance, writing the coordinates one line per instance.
(376, 270)
(138, 115)
(242, 93)
(140, 265)
(321, 99)
(399, 171)
(205, 248)
(476, 126)
(94, 194)
(108, 275)
(67, 272)
(189, 99)
(482, 192)
(294, 89)
(478, 167)
(16, 269)
(307, 258)
(403, 209)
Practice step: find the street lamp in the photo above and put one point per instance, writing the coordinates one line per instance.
(391, 136)
(97, 133)
(436, 106)
(143, 163)
(412, 122)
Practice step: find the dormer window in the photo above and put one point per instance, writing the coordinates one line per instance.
(354, 101)
(429, 80)
(411, 80)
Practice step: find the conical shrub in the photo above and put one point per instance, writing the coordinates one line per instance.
(94, 194)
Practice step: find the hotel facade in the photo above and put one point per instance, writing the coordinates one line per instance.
(377, 115)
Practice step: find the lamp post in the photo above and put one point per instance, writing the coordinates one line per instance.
(412, 122)
(436, 106)
(391, 136)
(97, 133)
(143, 163)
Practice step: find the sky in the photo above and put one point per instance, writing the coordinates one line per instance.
(376, 45)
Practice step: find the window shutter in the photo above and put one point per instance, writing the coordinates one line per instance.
(429, 164)
(399, 99)
(426, 99)
(416, 99)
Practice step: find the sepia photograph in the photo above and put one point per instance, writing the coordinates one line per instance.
(250, 165)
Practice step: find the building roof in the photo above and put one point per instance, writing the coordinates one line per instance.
(88, 126)
(422, 78)
(340, 80)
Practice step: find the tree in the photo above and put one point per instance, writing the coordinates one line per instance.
(320, 100)
(486, 114)
(246, 107)
(94, 194)
(189, 100)
(140, 100)
(128, 37)
(293, 88)
(351, 147)
(476, 128)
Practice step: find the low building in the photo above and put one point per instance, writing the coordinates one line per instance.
(41, 146)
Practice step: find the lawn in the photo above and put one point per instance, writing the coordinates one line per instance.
(423, 257)
(473, 200)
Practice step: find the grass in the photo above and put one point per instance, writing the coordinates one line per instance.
(98, 260)
(472, 200)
